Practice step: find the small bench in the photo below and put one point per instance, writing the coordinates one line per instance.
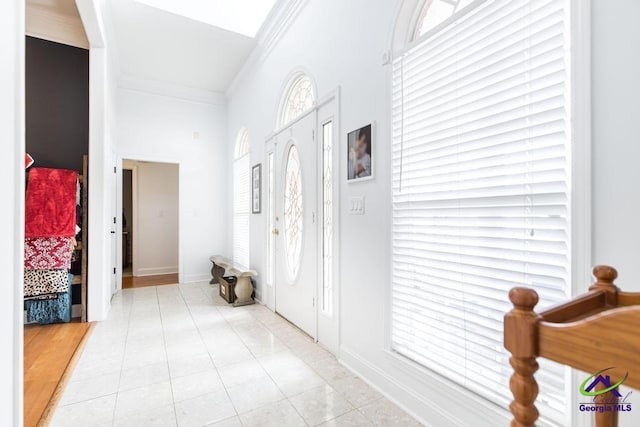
(240, 292)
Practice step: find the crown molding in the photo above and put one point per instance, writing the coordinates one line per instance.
(171, 90)
(275, 26)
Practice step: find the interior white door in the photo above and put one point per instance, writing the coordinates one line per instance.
(296, 224)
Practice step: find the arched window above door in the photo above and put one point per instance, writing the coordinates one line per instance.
(241, 147)
(435, 12)
(299, 97)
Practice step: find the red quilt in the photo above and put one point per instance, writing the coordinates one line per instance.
(50, 205)
(48, 253)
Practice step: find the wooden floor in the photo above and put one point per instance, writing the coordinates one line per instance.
(141, 282)
(48, 351)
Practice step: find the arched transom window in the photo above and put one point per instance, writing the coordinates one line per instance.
(435, 12)
(298, 99)
(241, 146)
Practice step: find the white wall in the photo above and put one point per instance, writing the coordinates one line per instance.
(192, 134)
(101, 122)
(342, 43)
(616, 138)
(155, 242)
(12, 192)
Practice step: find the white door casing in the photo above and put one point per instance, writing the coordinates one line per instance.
(114, 225)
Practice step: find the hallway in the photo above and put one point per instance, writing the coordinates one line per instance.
(179, 355)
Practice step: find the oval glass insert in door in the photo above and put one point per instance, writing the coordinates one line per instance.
(293, 208)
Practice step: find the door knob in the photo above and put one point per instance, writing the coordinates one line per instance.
(275, 231)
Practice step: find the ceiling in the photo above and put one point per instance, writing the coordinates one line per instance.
(55, 20)
(240, 16)
(156, 45)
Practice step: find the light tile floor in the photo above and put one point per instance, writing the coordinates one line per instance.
(180, 355)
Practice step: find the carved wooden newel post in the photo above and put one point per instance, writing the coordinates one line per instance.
(520, 330)
(605, 276)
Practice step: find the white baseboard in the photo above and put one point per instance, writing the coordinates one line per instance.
(438, 403)
(155, 271)
(390, 388)
(193, 278)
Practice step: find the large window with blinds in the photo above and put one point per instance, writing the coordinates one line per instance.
(481, 187)
(241, 199)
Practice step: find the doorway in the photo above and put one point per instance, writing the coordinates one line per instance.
(150, 197)
(127, 222)
(302, 219)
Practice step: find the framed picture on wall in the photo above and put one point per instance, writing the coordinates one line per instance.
(256, 188)
(360, 154)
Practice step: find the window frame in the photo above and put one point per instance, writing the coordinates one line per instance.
(241, 151)
(482, 412)
(286, 91)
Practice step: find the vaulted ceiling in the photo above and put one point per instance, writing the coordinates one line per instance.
(165, 42)
(155, 45)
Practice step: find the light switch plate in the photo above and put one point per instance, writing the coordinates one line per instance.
(356, 205)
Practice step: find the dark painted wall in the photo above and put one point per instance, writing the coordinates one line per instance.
(57, 104)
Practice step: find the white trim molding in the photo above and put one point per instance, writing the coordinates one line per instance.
(274, 27)
(581, 144)
(195, 278)
(171, 90)
(154, 271)
(581, 163)
(426, 401)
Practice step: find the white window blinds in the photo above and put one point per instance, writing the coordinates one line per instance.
(481, 189)
(241, 210)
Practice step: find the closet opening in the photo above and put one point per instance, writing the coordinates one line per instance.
(56, 242)
(150, 223)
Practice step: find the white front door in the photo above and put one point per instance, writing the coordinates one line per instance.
(296, 227)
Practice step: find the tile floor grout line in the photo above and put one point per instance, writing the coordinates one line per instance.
(237, 416)
(209, 317)
(164, 346)
(126, 339)
(208, 352)
(287, 398)
(256, 359)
